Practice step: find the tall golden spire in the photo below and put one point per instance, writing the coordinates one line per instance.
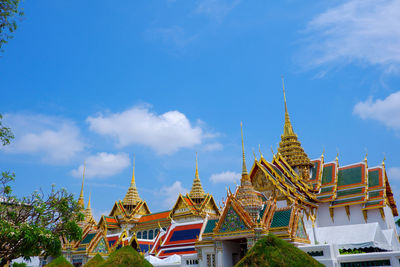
(287, 128)
(133, 172)
(246, 193)
(81, 201)
(132, 197)
(290, 147)
(197, 192)
(88, 212)
(244, 168)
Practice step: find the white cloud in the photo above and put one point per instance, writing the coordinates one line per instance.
(54, 139)
(102, 165)
(386, 111)
(165, 133)
(394, 174)
(225, 177)
(358, 30)
(216, 9)
(170, 194)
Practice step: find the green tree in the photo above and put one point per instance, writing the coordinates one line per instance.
(10, 11)
(35, 224)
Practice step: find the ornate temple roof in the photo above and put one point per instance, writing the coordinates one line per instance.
(132, 196)
(197, 191)
(290, 147)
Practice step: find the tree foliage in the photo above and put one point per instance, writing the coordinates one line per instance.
(10, 11)
(34, 225)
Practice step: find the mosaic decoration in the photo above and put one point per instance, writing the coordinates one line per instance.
(232, 222)
(101, 247)
(300, 230)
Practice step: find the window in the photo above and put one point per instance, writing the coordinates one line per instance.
(139, 235)
(151, 234)
(155, 232)
(210, 260)
(144, 234)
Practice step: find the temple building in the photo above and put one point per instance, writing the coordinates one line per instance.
(340, 215)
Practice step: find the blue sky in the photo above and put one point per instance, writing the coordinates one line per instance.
(99, 82)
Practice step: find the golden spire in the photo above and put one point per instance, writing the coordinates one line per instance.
(197, 191)
(244, 169)
(287, 129)
(384, 159)
(132, 196)
(133, 172)
(290, 147)
(259, 150)
(246, 193)
(81, 201)
(88, 212)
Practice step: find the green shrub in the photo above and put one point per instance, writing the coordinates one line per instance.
(95, 261)
(272, 251)
(59, 262)
(19, 264)
(126, 256)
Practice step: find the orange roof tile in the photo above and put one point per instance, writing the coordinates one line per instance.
(154, 216)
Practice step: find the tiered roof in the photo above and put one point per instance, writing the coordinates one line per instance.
(132, 196)
(290, 148)
(197, 192)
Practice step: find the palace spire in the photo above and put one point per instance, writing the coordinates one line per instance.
(245, 175)
(290, 147)
(287, 128)
(246, 193)
(132, 196)
(81, 201)
(197, 191)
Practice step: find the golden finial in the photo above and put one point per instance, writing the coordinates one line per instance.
(323, 152)
(88, 204)
(337, 155)
(254, 154)
(81, 201)
(259, 150)
(133, 171)
(366, 154)
(384, 159)
(288, 129)
(197, 169)
(244, 169)
(272, 151)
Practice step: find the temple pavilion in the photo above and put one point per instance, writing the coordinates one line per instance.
(340, 215)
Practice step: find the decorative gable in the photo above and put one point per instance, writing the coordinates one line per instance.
(101, 247)
(232, 222)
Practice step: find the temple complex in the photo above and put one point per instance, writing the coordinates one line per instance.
(340, 215)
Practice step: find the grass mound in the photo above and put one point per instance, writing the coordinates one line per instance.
(95, 261)
(125, 256)
(272, 251)
(60, 262)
